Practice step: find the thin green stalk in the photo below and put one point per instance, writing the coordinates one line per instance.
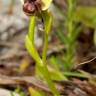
(44, 54)
(32, 24)
(44, 70)
(47, 21)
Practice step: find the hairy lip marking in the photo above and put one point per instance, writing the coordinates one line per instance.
(32, 6)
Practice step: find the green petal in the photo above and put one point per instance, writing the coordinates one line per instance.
(22, 1)
(46, 4)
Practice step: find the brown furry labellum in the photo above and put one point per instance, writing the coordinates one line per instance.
(32, 7)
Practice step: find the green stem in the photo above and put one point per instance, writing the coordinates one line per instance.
(45, 71)
(44, 54)
(70, 28)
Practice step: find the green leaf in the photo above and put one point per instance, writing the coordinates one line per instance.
(34, 92)
(29, 41)
(55, 62)
(32, 50)
(31, 30)
(74, 74)
(86, 15)
(56, 74)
